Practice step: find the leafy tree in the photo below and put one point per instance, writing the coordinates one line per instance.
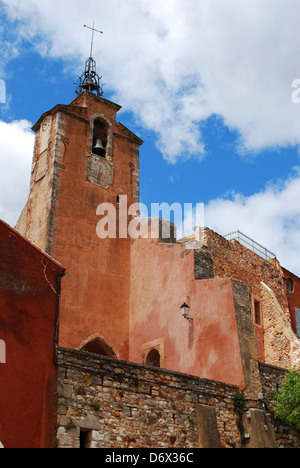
(287, 400)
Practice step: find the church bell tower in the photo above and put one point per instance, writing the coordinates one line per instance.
(83, 157)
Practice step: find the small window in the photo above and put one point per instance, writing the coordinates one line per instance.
(257, 312)
(153, 358)
(290, 285)
(85, 439)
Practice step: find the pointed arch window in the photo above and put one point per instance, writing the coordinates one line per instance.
(97, 345)
(153, 358)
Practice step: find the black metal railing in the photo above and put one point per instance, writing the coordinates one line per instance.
(251, 244)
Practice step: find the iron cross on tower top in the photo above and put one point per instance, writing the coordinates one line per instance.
(90, 80)
(93, 32)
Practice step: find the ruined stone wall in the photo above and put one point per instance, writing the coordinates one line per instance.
(276, 341)
(106, 403)
(281, 344)
(233, 260)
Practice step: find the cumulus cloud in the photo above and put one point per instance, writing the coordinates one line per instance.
(270, 217)
(16, 149)
(175, 63)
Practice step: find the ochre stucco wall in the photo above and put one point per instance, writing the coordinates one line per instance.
(96, 294)
(209, 346)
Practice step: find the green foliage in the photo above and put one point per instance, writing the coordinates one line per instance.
(287, 401)
(96, 406)
(239, 403)
(239, 408)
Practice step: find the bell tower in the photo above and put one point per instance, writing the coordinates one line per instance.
(82, 158)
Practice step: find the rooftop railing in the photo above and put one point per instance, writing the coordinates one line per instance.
(251, 244)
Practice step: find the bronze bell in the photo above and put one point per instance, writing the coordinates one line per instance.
(99, 147)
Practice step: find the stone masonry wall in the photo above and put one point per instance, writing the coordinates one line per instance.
(272, 379)
(233, 260)
(277, 344)
(107, 403)
(124, 405)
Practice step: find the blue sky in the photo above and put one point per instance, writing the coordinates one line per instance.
(209, 93)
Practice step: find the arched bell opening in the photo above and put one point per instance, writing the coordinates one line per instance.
(100, 138)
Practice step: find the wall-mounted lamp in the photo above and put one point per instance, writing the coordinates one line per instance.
(185, 311)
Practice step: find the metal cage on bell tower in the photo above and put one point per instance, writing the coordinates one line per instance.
(90, 80)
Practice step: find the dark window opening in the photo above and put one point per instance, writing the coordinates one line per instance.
(99, 347)
(99, 138)
(290, 285)
(85, 439)
(153, 358)
(257, 312)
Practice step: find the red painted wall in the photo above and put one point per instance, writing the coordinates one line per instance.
(162, 280)
(293, 296)
(27, 326)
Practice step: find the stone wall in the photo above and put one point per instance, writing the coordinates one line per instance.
(233, 260)
(272, 379)
(107, 403)
(123, 405)
(281, 344)
(276, 341)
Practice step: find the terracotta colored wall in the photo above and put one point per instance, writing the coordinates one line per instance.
(27, 325)
(97, 287)
(293, 297)
(162, 280)
(96, 293)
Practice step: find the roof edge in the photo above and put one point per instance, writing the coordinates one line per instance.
(97, 98)
(44, 254)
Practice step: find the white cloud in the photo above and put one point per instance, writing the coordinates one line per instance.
(176, 62)
(16, 149)
(270, 217)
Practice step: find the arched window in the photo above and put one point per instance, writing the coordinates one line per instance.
(100, 137)
(98, 346)
(153, 358)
